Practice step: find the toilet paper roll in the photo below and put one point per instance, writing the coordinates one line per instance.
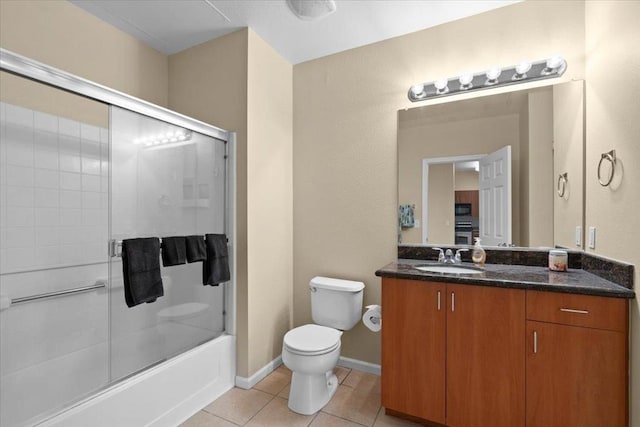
(372, 318)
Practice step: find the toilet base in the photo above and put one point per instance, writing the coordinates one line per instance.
(310, 392)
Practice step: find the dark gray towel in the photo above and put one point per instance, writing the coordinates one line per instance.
(196, 250)
(141, 270)
(215, 269)
(174, 251)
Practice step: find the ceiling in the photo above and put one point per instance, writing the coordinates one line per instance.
(174, 25)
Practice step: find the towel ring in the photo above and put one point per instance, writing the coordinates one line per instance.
(610, 157)
(561, 186)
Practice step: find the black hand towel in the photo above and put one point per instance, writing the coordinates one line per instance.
(196, 250)
(141, 270)
(215, 268)
(174, 251)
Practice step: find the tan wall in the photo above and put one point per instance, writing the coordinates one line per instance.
(269, 201)
(209, 82)
(613, 37)
(64, 36)
(466, 181)
(239, 83)
(539, 200)
(441, 201)
(345, 122)
(568, 155)
(36, 96)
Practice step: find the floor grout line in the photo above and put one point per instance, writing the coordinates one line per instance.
(353, 388)
(260, 410)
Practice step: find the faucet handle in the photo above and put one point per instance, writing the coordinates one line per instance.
(440, 255)
(458, 257)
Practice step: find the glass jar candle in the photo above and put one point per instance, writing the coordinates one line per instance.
(558, 260)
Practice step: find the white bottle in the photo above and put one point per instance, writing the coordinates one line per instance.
(478, 255)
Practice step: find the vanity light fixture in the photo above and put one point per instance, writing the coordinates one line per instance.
(523, 72)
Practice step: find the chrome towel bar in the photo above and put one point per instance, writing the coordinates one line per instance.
(98, 285)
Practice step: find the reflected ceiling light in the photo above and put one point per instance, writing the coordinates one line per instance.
(523, 72)
(176, 137)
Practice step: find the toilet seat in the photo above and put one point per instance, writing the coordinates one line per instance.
(312, 340)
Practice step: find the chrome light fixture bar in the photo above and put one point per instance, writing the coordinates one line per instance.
(493, 77)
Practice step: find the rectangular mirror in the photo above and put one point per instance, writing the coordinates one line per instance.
(507, 168)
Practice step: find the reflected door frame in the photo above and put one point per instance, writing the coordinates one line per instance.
(425, 185)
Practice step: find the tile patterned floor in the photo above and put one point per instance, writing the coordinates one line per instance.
(355, 404)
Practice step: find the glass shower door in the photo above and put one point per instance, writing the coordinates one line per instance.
(53, 253)
(166, 181)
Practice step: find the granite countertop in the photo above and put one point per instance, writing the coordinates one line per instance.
(513, 276)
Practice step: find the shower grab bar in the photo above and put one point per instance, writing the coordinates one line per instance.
(98, 285)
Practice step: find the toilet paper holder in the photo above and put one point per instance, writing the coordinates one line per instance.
(373, 315)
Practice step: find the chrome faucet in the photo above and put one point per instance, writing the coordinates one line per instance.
(458, 257)
(448, 257)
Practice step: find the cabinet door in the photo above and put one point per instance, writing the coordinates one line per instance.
(413, 348)
(575, 376)
(485, 363)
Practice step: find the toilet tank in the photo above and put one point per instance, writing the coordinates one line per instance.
(336, 303)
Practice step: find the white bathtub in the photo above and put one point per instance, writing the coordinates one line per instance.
(164, 395)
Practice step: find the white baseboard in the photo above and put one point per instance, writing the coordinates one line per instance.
(247, 383)
(359, 365)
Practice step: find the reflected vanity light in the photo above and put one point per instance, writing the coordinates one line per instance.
(165, 140)
(524, 71)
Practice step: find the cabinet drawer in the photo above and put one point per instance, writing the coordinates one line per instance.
(578, 310)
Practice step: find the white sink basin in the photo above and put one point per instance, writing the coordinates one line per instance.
(450, 269)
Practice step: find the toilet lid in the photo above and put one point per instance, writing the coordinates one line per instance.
(312, 338)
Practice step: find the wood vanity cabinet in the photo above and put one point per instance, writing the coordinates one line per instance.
(453, 354)
(577, 358)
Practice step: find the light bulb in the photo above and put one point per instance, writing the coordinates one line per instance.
(554, 62)
(417, 90)
(441, 84)
(465, 81)
(493, 73)
(523, 67)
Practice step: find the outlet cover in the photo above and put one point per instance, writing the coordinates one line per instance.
(592, 237)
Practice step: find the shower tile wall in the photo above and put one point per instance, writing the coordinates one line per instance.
(53, 233)
(53, 191)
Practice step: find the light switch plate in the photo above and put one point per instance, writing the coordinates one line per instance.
(579, 236)
(592, 237)
(416, 223)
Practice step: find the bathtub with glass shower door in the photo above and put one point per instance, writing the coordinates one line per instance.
(78, 176)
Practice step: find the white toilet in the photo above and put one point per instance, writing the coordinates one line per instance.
(312, 351)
